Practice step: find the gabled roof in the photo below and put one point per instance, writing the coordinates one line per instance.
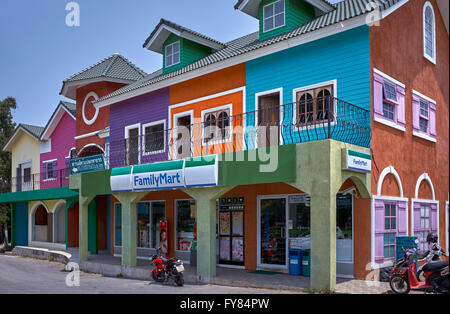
(115, 68)
(251, 7)
(63, 107)
(32, 130)
(247, 45)
(164, 28)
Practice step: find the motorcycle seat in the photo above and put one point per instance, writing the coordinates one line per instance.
(435, 266)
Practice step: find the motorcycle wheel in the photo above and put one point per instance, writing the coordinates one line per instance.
(158, 278)
(179, 280)
(399, 284)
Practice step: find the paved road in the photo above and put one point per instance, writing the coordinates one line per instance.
(26, 275)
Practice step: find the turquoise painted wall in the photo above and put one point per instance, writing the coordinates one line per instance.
(343, 57)
(21, 228)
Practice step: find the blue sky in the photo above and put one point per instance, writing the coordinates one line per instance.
(38, 50)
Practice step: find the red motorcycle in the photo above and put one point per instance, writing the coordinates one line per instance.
(404, 275)
(167, 269)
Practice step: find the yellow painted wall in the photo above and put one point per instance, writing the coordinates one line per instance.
(26, 148)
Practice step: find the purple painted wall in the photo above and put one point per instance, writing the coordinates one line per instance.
(62, 140)
(141, 110)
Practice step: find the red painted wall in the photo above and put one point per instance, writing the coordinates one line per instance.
(102, 121)
(396, 48)
(72, 226)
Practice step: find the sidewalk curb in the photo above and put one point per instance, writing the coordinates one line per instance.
(145, 274)
(41, 253)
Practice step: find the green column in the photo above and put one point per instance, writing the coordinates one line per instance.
(83, 226)
(129, 202)
(206, 229)
(319, 173)
(323, 240)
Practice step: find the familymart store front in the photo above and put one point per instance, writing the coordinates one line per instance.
(166, 216)
(310, 208)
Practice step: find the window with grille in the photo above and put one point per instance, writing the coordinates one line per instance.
(390, 226)
(429, 31)
(172, 54)
(315, 105)
(273, 15)
(154, 138)
(217, 126)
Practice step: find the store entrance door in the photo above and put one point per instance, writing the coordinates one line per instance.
(272, 233)
(231, 231)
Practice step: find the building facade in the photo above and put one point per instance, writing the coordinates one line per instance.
(326, 130)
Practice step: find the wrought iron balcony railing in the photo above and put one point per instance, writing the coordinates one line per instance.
(317, 119)
(37, 181)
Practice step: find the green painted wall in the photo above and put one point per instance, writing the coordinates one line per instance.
(189, 52)
(232, 171)
(298, 12)
(38, 195)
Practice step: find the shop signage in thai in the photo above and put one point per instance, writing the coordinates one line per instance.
(87, 164)
(192, 172)
(357, 161)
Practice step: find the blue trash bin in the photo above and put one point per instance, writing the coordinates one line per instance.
(295, 262)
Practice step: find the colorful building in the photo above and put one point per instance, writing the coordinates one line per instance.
(326, 130)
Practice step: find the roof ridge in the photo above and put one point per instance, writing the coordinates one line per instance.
(134, 66)
(115, 56)
(90, 67)
(169, 23)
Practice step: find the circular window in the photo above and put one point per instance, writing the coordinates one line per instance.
(90, 113)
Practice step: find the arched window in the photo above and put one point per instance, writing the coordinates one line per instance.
(429, 33)
(323, 104)
(305, 108)
(223, 123)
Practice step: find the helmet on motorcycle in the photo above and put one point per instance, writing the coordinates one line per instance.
(432, 238)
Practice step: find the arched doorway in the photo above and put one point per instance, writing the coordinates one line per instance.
(59, 223)
(40, 224)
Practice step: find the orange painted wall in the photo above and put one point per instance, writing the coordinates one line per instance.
(397, 50)
(251, 192)
(208, 84)
(236, 143)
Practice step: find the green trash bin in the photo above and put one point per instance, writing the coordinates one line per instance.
(306, 263)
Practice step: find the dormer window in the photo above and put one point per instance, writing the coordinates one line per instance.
(172, 54)
(274, 15)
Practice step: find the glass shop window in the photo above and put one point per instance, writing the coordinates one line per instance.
(185, 215)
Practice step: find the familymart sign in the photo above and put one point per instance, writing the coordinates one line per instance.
(357, 161)
(192, 172)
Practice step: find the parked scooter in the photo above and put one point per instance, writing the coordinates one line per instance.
(432, 256)
(404, 275)
(166, 269)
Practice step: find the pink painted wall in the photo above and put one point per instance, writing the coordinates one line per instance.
(62, 141)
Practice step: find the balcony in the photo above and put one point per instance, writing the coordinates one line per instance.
(311, 120)
(37, 181)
